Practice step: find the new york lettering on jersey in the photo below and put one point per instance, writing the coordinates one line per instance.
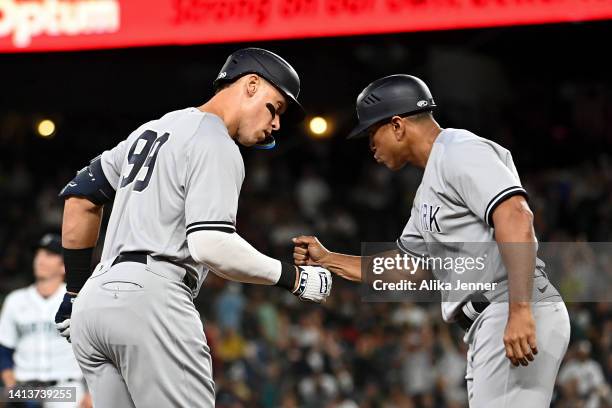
(465, 177)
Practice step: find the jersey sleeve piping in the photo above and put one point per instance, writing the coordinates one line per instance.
(223, 226)
(406, 250)
(500, 198)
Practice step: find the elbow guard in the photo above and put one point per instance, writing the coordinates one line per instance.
(91, 183)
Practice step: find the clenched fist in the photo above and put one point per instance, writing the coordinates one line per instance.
(309, 251)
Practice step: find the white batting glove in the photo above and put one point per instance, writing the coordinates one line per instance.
(64, 329)
(315, 283)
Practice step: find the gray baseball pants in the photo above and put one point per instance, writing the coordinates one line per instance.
(492, 379)
(139, 339)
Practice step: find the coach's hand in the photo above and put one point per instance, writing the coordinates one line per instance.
(62, 317)
(308, 251)
(314, 283)
(520, 335)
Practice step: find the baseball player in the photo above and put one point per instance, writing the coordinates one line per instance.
(470, 193)
(32, 353)
(175, 181)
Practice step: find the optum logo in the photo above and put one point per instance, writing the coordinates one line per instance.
(27, 19)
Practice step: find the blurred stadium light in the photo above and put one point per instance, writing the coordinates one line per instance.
(46, 128)
(318, 127)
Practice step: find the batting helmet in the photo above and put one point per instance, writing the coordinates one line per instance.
(271, 67)
(389, 96)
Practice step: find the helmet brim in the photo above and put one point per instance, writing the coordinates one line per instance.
(295, 112)
(361, 130)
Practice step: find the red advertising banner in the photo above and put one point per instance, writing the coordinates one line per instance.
(53, 25)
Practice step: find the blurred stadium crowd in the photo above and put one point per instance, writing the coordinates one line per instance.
(270, 350)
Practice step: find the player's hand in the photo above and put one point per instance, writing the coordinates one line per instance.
(308, 251)
(314, 283)
(520, 335)
(8, 378)
(62, 317)
(86, 401)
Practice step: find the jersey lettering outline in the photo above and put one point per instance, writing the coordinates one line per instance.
(429, 222)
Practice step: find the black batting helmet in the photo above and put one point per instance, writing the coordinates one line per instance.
(389, 96)
(271, 67)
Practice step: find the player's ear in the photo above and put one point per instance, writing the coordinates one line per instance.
(398, 126)
(252, 84)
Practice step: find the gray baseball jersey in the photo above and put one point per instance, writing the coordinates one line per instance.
(175, 175)
(135, 331)
(465, 178)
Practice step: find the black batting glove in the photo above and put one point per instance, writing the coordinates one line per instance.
(62, 317)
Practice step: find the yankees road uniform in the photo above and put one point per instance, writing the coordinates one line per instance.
(42, 356)
(465, 178)
(135, 331)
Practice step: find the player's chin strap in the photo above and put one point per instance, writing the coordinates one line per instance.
(267, 144)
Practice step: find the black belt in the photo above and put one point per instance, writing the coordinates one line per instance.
(141, 257)
(42, 384)
(471, 310)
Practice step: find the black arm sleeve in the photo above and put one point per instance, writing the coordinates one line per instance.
(78, 267)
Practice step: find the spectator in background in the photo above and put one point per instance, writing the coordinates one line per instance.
(49, 207)
(582, 380)
(311, 191)
(418, 375)
(451, 368)
(229, 307)
(32, 353)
